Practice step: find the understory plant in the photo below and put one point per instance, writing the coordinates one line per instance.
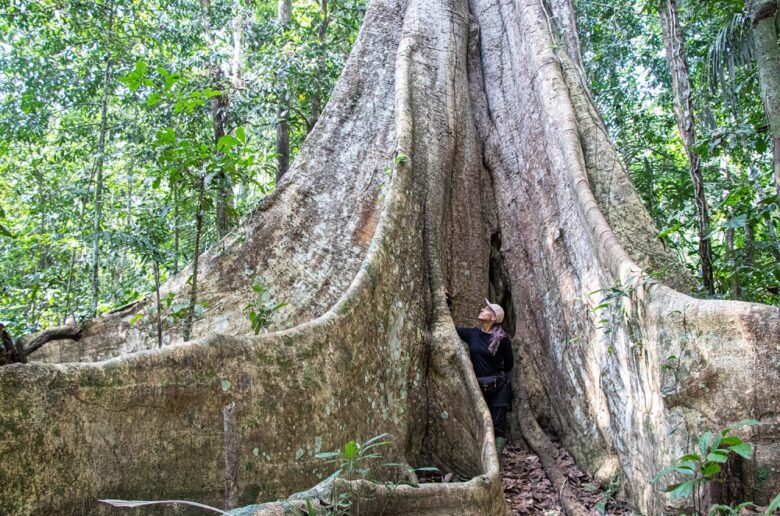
(261, 308)
(703, 466)
(353, 462)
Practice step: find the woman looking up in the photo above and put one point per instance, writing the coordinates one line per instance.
(491, 356)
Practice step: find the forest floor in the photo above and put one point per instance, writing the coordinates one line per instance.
(528, 491)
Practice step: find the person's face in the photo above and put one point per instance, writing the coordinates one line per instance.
(486, 314)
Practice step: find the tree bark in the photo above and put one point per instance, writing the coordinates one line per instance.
(101, 151)
(564, 14)
(193, 299)
(284, 14)
(764, 20)
(453, 121)
(683, 110)
(176, 227)
(322, 32)
(157, 303)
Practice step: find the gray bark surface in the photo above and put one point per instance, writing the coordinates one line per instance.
(459, 150)
(764, 23)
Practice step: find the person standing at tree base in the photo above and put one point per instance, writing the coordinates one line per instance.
(490, 351)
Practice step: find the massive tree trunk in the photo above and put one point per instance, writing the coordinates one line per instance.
(459, 150)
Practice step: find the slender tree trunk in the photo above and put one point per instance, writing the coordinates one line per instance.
(158, 305)
(238, 49)
(74, 252)
(750, 243)
(731, 258)
(119, 271)
(764, 16)
(770, 226)
(683, 110)
(284, 15)
(176, 228)
(322, 31)
(226, 221)
(219, 110)
(187, 331)
(99, 175)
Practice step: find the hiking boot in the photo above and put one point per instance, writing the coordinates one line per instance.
(500, 445)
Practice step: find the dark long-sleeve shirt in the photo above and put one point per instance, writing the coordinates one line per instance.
(485, 363)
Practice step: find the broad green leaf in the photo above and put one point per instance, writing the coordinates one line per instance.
(710, 469)
(744, 450)
(773, 506)
(737, 222)
(718, 456)
(667, 470)
(704, 443)
(153, 99)
(227, 142)
(681, 490)
(743, 423)
(4, 231)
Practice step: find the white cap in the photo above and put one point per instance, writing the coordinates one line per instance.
(496, 310)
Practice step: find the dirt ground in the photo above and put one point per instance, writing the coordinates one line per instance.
(528, 491)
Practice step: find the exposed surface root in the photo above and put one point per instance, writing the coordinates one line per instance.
(528, 490)
(541, 444)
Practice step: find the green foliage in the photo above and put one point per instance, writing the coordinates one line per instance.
(160, 141)
(354, 462)
(704, 465)
(260, 311)
(624, 58)
(613, 308)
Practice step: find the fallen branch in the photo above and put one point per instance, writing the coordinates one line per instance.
(11, 353)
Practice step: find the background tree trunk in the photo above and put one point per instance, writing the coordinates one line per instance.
(500, 177)
(322, 32)
(284, 15)
(764, 20)
(99, 160)
(225, 220)
(683, 110)
(193, 298)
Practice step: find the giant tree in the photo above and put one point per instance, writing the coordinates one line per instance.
(459, 150)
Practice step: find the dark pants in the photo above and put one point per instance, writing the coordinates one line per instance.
(500, 403)
(498, 415)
